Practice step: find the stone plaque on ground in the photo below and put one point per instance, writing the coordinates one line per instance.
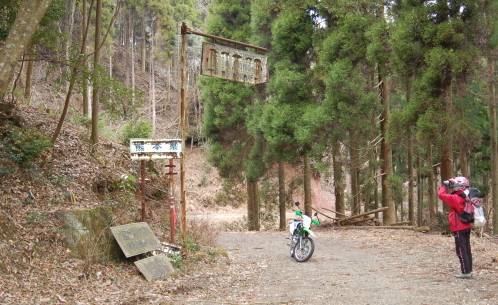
(135, 238)
(155, 267)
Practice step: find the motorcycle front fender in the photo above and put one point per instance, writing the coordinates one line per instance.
(309, 231)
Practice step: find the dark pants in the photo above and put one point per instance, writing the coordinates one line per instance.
(462, 245)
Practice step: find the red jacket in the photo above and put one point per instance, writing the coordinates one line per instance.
(455, 202)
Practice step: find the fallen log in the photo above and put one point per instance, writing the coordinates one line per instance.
(330, 217)
(401, 223)
(334, 212)
(419, 229)
(361, 215)
(369, 218)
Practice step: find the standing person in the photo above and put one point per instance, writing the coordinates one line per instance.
(453, 193)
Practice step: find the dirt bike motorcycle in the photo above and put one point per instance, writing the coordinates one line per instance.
(302, 245)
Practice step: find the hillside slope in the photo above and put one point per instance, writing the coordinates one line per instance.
(33, 259)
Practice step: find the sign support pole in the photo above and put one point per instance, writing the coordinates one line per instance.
(172, 210)
(183, 111)
(189, 31)
(142, 186)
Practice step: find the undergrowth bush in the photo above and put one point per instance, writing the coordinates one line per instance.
(22, 146)
(140, 129)
(200, 233)
(231, 194)
(199, 245)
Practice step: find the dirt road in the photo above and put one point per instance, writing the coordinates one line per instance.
(348, 267)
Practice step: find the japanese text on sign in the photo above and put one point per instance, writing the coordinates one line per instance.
(232, 64)
(135, 238)
(155, 267)
(146, 149)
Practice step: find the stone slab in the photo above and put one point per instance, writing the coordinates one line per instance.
(135, 238)
(155, 267)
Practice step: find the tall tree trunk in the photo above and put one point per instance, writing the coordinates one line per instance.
(446, 161)
(96, 63)
(110, 63)
(410, 165)
(111, 93)
(307, 186)
(281, 195)
(72, 81)
(28, 17)
(252, 206)
(84, 82)
(127, 49)
(29, 74)
(420, 193)
(462, 144)
(446, 149)
(257, 207)
(143, 53)
(339, 184)
(355, 189)
(430, 186)
(411, 201)
(376, 195)
(494, 145)
(152, 85)
(386, 154)
(70, 8)
(370, 184)
(132, 63)
(168, 90)
(464, 164)
(435, 186)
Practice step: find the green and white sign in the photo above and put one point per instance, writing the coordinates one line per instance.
(147, 149)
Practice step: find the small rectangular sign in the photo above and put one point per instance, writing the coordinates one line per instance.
(146, 149)
(135, 238)
(155, 267)
(233, 64)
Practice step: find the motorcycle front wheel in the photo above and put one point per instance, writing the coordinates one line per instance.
(294, 239)
(303, 250)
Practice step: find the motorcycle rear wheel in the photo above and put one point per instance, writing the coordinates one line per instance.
(304, 250)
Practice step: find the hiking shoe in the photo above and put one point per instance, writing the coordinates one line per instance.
(464, 276)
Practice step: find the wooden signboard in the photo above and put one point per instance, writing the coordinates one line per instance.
(233, 64)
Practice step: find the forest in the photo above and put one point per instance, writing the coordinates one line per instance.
(375, 103)
(385, 99)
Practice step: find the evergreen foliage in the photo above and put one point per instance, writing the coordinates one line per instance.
(226, 102)
(23, 145)
(140, 129)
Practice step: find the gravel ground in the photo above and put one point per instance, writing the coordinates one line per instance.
(349, 267)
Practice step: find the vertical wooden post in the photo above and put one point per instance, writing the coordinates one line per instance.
(172, 210)
(182, 122)
(142, 186)
(183, 110)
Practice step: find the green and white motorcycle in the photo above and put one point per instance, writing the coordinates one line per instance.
(302, 245)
